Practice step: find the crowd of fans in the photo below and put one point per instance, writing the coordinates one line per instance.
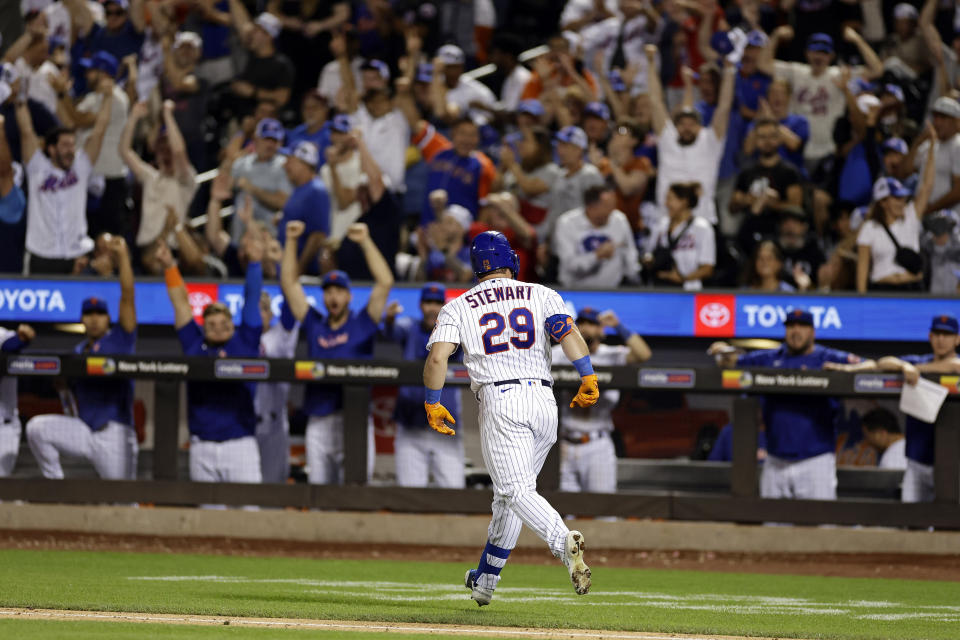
(774, 145)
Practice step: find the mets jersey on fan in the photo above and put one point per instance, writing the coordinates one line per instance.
(501, 326)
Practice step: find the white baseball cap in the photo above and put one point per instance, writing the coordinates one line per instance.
(269, 23)
(308, 153)
(946, 107)
(459, 213)
(866, 101)
(451, 54)
(904, 10)
(187, 37)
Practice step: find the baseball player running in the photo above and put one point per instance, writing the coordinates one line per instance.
(342, 333)
(11, 342)
(588, 461)
(98, 420)
(504, 328)
(220, 415)
(279, 340)
(801, 461)
(918, 483)
(419, 452)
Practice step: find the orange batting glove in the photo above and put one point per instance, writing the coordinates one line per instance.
(438, 416)
(588, 394)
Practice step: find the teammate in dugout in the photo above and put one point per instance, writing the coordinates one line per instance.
(11, 342)
(341, 333)
(944, 339)
(801, 460)
(220, 415)
(588, 461)
(97, 423)
(419, 452)
(504, 328)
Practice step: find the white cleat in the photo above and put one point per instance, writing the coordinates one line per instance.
(477, 593)
(573, 559)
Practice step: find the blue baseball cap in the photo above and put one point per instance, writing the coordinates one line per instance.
(572, 135)
(757, 38)
(424, 72)
(862, 85)
(99, 305)
(336, 278)
(531, 106)
(597, 110)
(433, 292)
(54, 42)
(799, 316)
(945, 323)
(895, 91)
(820, 42)
(885, 187)
(720, 42)
(588, 314)
(270, 128)
(616, 81)
(305, 151)
(895, 144)
(341, 123)
(106, 62)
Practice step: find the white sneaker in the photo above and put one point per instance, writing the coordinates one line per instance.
(478, 594)
(573, 559)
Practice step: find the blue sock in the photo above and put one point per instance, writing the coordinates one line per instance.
(492, 560)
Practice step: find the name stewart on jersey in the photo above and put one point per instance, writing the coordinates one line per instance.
(497, 294)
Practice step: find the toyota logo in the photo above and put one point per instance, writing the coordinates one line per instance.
(714, 315)
(199, 301)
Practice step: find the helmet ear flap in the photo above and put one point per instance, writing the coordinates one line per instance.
(515, 262)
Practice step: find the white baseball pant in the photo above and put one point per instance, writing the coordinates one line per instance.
(324, 441)
(518, 425)
(810, 479)
(918, 482)
(273, 438)
(236, 460)
(422, 452)
(9, 444)
(112, 450)
(591, 466)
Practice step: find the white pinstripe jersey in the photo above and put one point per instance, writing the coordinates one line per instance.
(501, 326)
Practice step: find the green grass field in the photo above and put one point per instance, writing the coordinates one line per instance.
(426, 592)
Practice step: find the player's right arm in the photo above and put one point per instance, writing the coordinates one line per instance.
(442, 344)
(289, 274)
(434, 375)
(577, 352)
(29, 143)
(176, 289)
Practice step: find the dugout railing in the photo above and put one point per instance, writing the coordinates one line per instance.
(742, 504)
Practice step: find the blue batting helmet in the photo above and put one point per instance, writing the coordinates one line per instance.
(491, 251)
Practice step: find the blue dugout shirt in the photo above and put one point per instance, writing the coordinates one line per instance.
(723, 447)
(300, 134)
(798, 427)
(354, 339)
(409, 411)
(219, 411)
(100, 400)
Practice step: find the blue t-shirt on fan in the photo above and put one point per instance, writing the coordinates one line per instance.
(798, 427)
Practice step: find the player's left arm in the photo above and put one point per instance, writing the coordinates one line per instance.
(127, 309)
(434, 375)
(382, 275)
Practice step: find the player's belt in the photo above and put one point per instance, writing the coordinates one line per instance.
(545, 383)
(584, 437)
